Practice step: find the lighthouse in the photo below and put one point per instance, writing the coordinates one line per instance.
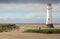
(49, 23)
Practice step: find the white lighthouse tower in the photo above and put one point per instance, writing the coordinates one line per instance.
(49, 15)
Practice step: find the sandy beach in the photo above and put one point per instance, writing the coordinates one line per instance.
(19, 35)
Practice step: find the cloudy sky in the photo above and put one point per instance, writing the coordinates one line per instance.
(27, 11)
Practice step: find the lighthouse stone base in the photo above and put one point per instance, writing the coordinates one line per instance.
(49, 25)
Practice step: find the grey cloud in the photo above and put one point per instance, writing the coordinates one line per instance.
(28, 1)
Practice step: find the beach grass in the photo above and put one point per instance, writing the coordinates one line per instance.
(47, 31)
(8, 27)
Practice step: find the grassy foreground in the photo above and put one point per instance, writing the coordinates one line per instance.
(47, 31)
(8, 27)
